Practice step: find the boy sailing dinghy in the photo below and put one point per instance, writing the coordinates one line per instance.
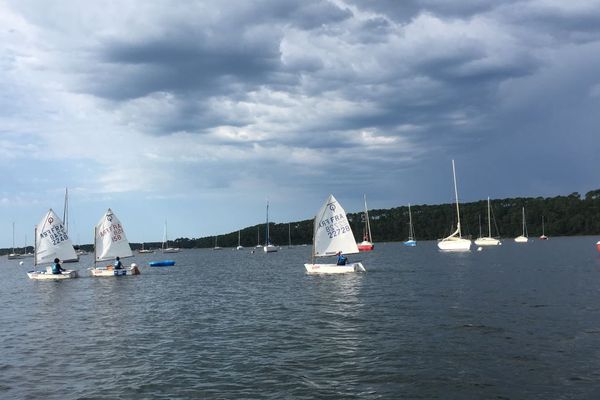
(110, 242)
(51, 241)
(332, 234)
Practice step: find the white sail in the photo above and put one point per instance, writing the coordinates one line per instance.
(110, 240)
(332, 230)
(52, 240)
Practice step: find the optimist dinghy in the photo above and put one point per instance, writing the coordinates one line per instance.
(332, 234)
(110, 242)
(52, 241)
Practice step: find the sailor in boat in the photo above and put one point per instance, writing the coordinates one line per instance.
(342, 259)
(56, 268)
(118, 263)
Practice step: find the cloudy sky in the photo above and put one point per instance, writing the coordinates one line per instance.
(199, 111)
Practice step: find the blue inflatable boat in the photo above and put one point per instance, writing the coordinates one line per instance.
(163, 263)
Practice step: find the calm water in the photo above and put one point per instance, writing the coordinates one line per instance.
(514, 322)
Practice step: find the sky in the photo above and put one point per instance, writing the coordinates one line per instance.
(199, 112)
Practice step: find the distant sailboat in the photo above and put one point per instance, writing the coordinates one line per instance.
(217, 243)
(332, 218)
(268, 248)
(239, 246)
(14, 255)
(165, 244)
(455, 242)
(488, 240)
(51, 241)
(411, 233)
(110, 242)
(543, 237)
(258, 245)
(523, 238)
(144, 250)
(289, 235)
(367, 243)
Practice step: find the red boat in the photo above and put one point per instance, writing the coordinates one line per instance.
(366, 244)
(598, 245)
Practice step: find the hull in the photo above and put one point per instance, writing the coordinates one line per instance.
(14, 256)
(521, 239)
(410, 243)
(270, 249)
(365, 246)
(145, 251)
(239, 247)
(543, 237)
(487, 241)
(454, 244)
(333, 268)
(48, 276)
(171, 250)
(598, 245)
(165, 263)
(110, 271)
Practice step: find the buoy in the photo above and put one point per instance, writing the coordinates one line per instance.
(20, 262)
(479, 248)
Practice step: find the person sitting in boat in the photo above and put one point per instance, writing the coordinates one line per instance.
(342, 259)
(118, 263)
(56, 268)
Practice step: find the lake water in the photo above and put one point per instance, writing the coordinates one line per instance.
(513, 322)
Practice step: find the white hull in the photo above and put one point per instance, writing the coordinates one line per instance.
(454, 244)
(270, 249)
(47, 276)
(521, 239)
(239, 247)
(334, 268)
(145, 251)
(171, 250)
(110, 271)
(487, 241)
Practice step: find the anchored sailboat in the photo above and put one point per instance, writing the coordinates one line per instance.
(367, 243)
(239, 246)
(165, 244)
(455, 242)
(268, 248)
(332, 234)
(488, 240)
(110, 242)
(543, 237)
(51, 241)
(523, 238)
(411, 233)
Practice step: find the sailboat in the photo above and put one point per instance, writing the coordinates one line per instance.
(14, 255)
(165, 244)
(258, 245)
(411, 233)
(239, 246)
(332, 234)
(488, 240)
(268, 248)
(51, 241)
(455, 242)
(217, 243)
(523, 238)
(144, 250)
(543, 237)
(366, 244)
(289, 235)
(110, 242)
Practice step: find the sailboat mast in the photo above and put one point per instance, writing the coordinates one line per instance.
(267, 227)
(95, 247)
(489, 220)
(368, 225)
(542, 225)
(66, 211)
(523, 212)
(35, 246)
(456, 197)
(289, 234)
(410, 227)
(13, 248)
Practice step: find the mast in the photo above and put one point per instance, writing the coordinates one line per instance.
(267, 227)
(543, 225)
(523, 209)
(35, 246)
(165, 242)
(66, 211)
(411, 235)
(238, 237)
(13, 248)
(479, 216)
(258, 236)
(367, 224)
(289, 234)
(489, 219)
(95, 247)
(456, 196)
